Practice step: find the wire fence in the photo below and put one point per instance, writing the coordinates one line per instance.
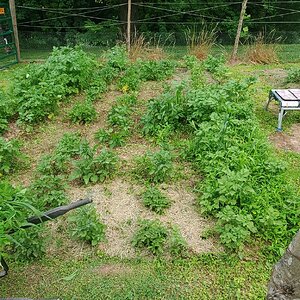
(102, 26)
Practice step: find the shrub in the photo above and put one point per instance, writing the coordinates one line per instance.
(152, 235)
(155, 200)
(83, 113)
(177, 245)
(166, 111)
(294, 75)
(70, 145)
(130, 80)
(38, 89)
(29, 244)
(48, 191)
(117, 57)
(15, 208)
(159, 239)
(7, 110)
(95, 169)
(111, 137)
(86, 225)
(119, 116)
(235, 228)
(10, 155)
(53, 164)
(154, 167)
(156, 70)
(127, 100)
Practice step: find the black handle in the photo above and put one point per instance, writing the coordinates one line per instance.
(56, 212)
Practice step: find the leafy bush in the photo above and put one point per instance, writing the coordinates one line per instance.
(177, 245)
(119, 116)
(152, 235)
(130, 80)
(154, 167)
(70, 145)
(216, 65)
(235, 228)
(7, 109)
(97, 87)
(166, 111)
(38, 89)
(83, 113)
(95, 169)
(159, 239)
(10, 155)
(128, 100)
(293, 75)
(155, 200)
(29, 244)
(117, 57)
(15, 208)
(48, 191)
(86, 225)
(111, 137)
(156, 70)
(53, 164)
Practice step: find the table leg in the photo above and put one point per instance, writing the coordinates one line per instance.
(268, 102)
(280, 116)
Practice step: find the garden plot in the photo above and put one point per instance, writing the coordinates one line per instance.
(173, 157)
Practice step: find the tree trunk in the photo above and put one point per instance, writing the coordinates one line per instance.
(285, 279)
(238, 33)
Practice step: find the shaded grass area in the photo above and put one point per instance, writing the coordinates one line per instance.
(204, 277)
(287, 53)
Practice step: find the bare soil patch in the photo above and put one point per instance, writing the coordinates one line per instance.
(287, 140)
(119, 206)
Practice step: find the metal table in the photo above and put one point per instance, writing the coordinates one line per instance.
(288, 100)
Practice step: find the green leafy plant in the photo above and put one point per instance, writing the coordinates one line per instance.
(159, 239)
(155, 200)
(53, 164)
(48, 191)
(177, 245)
(168, 110)
(117, 57)
(15, 208)
(127, 100)
(130, 80)
(151, 235)
(39, 88)
(70, 145)
(119, 116)
(154, 167)
(29, 244)
(7, 109)
(234, 227)
(111, 137)
(10, 156)
(293, 75)
(86, 225)
(83, 113)
(156, 70)
(95, 169)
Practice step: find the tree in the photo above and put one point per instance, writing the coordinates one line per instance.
(285, 279)
(238, 33)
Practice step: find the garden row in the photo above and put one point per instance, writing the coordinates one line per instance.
(243, 184)
(38, 92)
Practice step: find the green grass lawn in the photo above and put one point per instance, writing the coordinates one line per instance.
(287, 53)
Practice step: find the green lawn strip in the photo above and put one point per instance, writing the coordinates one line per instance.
(204, 277)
